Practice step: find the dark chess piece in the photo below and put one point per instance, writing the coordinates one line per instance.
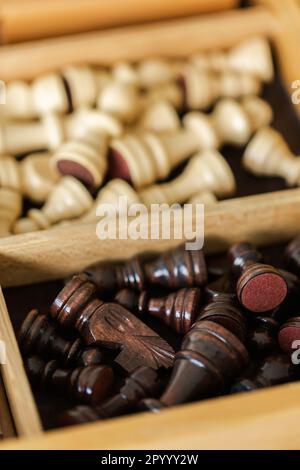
(209, 359)
(292, 255)
(221, 289)
(150, 404)
(177, 310)
(286, 310)
(273, 370)
(260, 287)
(178, 268)
(262, 336)
(227, 314)
(112, 326)
(38, 335)
(142, 383)
(110, 277)
(91, 384)
(289, 335)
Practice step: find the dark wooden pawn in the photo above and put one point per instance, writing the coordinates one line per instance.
(291, 303)
(221, 289)
(273, 370)
(178, 268)
(262, 336)
(112, 326)
(110, 277)
(91, 384)
(38, 335)
(289, 335)
(209, 359)
(260, 287)
(142, 383)
(227, 314)
(150, 404)
(177, 310)
(292, 256)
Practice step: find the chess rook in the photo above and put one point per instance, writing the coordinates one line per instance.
(260, 287)
(68, 199)
(38, 335)
(206, 171)
(140, 384)
(90, 385)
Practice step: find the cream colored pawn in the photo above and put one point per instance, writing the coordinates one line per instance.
(85, 156)
(146, 157)
(68, 199)
(170, 92)
(203, 197)
(120, 99)
(252, 56)
(18, 104)
(232, 122)
(126, 73)
(10, 173)
(160, 117)
(154, 72)
(206, 171)
(38, 177)
(269, 155)
(202, 88)
(10, 209)
(118, 194)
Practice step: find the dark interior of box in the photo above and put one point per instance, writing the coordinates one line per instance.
(22, 299)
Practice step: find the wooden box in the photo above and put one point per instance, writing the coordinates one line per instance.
(264, 419)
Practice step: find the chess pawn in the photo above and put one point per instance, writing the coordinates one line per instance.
(144, 158)
(289, 335)
(38, 335)
(206, 171)
(19, 103)
(90, 385)
(68, 199)
(251, 56)
(154, 72)
(292, 255)
(202, 88)
(209, 359)
(125, 72)
(267, 154)
(164, 271)
(84, 156)
(260, 287)
(177, 310)
(262, 336)
(111, 194)
(160, 117)
(82, 83)
(232, 122)
(120, 99)
(10, 176)
(38, 177)
(141, 383)
(222, 289)
(111, 325)
(110, 277)
(10, 209)
(170, 92)
(226, 314)
(203, 197)
(272, 370)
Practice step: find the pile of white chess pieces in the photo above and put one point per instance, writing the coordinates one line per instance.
(63, 134)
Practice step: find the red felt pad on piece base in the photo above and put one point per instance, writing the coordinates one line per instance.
(264, 292)
(68, 167)
(118, 167)
(288, 334)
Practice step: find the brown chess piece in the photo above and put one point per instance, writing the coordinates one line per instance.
(178, 268)
(273, 370)
(225, 313)
(260, 287)
(110, 277)
(110, 325)
(209, 359)
(90, 385)
(289, 335)
(292, 255)
(267, 154)
(262, 336)
(221, 289)
(206, 170)
(177, 310)
(141, 383)
(68, 199)
(38, 335)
